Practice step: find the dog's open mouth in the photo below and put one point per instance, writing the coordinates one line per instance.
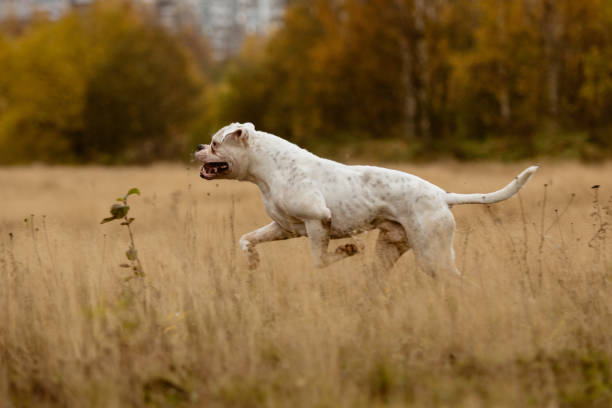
(213, 169)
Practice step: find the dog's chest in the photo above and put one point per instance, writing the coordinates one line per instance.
(282, 217)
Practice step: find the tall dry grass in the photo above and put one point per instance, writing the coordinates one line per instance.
(535, 329)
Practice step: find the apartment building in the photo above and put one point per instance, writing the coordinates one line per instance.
(224, 22)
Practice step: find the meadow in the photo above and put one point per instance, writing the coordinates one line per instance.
(532, 325)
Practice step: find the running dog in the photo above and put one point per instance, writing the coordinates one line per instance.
(306, 195)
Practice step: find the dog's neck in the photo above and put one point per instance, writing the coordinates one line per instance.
(272, 159)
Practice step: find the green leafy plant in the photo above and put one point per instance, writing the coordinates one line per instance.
(119, 211)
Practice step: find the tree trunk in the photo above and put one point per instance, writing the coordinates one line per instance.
(411, 20)
(421, 67)
(550, 27)
(505, 110)
(409, 98)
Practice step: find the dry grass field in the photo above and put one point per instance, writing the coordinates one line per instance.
(532, 328)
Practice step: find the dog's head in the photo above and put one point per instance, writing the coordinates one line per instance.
(226, 157)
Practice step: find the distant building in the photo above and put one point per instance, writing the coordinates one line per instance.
(25, 9)
(224, 22)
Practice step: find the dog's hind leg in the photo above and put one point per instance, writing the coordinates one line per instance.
(391, 244)
(432, 241)
(270, 232)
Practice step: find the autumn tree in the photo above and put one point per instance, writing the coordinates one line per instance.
(464, 78)
(101, 85)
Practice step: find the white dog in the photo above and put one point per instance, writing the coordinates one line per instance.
(306, 195)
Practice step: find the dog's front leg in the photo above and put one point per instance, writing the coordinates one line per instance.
(318, 235)
(270, 232)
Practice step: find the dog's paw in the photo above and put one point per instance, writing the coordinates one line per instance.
(253, 260)
(347, 249)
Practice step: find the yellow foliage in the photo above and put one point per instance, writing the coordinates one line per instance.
(459, 78)
(449, 77)
(96, 85)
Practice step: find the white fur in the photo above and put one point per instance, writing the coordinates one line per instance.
(306, 195)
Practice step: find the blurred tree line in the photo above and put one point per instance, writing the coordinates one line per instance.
(460, 78)
(106, 84)
(464, 78)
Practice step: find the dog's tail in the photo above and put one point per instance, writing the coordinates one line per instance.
(499, 195)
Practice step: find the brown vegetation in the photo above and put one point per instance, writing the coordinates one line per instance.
(199, 329)
(442, 78)
(469, 79)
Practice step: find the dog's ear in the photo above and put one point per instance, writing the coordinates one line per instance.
(241, 134)
(248, 130)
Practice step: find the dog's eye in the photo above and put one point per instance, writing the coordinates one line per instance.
(214, 144)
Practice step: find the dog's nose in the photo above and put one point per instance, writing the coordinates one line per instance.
(200, 147)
